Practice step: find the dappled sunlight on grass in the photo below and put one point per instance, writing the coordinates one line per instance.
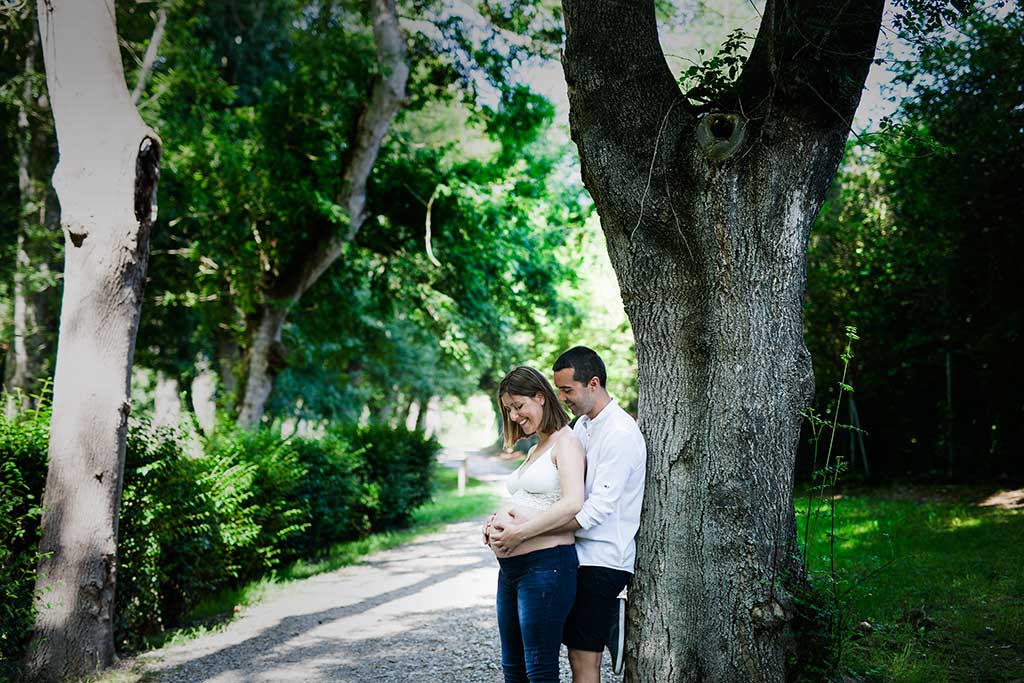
(940, 583)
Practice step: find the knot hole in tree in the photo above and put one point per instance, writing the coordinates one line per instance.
(147, 174)
(720, 134)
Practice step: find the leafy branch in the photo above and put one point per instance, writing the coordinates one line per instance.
(712, 78)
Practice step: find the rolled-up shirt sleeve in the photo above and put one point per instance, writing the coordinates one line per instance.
(618, 458)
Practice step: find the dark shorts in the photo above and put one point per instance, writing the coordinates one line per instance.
(596, 608)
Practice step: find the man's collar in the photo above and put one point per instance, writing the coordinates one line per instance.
(602, 415)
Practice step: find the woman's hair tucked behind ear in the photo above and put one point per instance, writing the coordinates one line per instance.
(525, 381)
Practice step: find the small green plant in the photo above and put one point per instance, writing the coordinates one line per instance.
(714, 77)
(820, 617)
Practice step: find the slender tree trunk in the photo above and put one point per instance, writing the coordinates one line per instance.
(106, 183)
(203, 393)
(707, 212)
(228, 360)
(265, 359)
(386, 98)
(16, 381)
(423, 403)
(167, 400)
(29, 352)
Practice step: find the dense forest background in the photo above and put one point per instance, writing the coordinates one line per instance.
(480, 249)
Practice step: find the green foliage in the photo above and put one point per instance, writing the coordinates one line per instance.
(339, 501)
(193, 523)
(716, 76)
(177, 534)
(23, 444)
(930, 584)
(444, 507)
(263, 109)
(815, 653)
(920, 251)
(275, 480)
(399, 463)
(819, 622)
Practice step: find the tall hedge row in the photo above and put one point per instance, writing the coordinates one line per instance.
(193, 525)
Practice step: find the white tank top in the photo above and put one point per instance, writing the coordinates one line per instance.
(536, 486)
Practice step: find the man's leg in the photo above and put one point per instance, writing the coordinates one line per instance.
(584, 634)
(586, 666)
(590, 622)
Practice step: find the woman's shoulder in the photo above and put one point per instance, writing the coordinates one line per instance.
(567, 442)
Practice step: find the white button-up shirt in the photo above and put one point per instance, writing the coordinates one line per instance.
(614, 487)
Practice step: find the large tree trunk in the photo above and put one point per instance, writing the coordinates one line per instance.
(386, 98)
(707, 211)
(106, 182)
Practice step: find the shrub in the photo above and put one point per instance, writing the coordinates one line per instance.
(178, 533)
(23, 444)
(277, 474)
(339, 501)
(399, 462)
(192, 526)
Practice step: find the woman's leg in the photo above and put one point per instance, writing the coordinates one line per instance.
(546, 593)
(513, 661)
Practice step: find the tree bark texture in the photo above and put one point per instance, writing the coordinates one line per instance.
(106, 182)
(707, 211)
(386, 97)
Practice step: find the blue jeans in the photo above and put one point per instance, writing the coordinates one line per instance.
(535, 594)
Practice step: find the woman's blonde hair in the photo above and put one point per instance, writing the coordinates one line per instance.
(525, 381)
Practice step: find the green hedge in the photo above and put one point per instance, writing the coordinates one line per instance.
(399, 462)
(341, 503)
(186, 524)
(22, 475)
(191, 526)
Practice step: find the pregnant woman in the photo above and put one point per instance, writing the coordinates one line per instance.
(537, 578)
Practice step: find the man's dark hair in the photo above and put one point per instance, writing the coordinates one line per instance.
(585, 363)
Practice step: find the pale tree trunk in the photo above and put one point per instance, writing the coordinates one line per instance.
(430, 421)
(106, 182)
(18, 377)
(417, 419)
(402, 418)
(707, 212)
(386, 98)
(413, 414)
(265, 359)
(421, 414)
(203, 392)
(166, 400)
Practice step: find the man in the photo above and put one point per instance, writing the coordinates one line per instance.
(606, 526)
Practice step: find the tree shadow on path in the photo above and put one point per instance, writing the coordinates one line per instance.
(271, 655)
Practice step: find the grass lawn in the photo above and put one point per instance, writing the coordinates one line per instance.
(941, 583)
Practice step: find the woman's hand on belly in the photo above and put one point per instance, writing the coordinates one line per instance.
(502, 531)
(506, 540)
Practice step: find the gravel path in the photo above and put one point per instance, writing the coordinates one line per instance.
(422, 612)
